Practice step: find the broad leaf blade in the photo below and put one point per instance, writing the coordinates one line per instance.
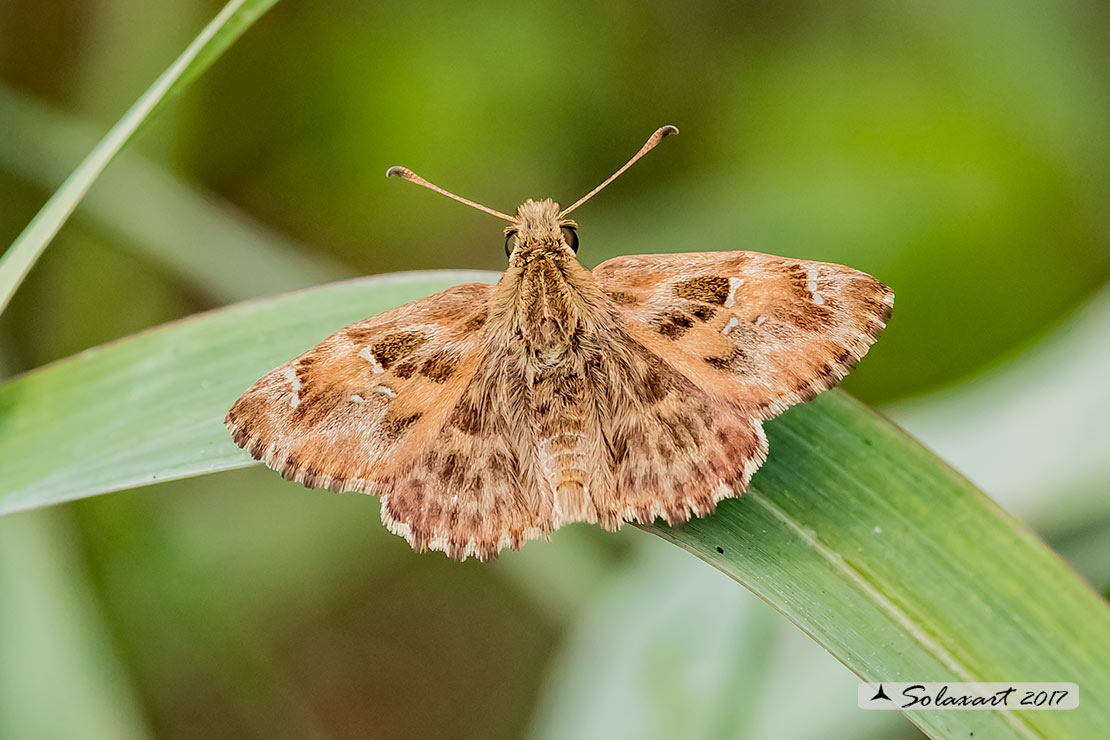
(235, 18)
(854, 531)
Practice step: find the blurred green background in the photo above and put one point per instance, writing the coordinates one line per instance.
(956, 151)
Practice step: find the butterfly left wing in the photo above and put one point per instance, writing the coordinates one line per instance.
(353, 409)
(764, 332)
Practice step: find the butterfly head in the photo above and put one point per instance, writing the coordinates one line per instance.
(540, 229)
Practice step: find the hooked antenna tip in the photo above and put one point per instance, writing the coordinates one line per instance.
(406, 174)
(658, 135)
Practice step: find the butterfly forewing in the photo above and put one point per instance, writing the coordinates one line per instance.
(764, 332)
(356, 407)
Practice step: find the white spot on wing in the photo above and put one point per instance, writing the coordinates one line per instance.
(760, 320)
(730, 325)
(357, 398)
(367, 355)
(295, 384)
(811, 286)
(733, 284)
(387, 391)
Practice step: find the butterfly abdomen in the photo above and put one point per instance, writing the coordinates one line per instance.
(565, 427)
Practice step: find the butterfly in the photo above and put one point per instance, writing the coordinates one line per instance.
(488, 415)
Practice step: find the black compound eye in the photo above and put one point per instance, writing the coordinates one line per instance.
(571, 238)
(509, 236)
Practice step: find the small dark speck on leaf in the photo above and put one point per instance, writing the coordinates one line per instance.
(720, 549)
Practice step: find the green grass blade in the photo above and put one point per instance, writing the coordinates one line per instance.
(206, 241)
(905, 572)
(235, 18)
(864, 539)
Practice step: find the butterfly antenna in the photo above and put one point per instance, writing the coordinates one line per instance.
(406, 174)
(655, 138)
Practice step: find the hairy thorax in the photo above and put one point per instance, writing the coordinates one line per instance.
(547, 302)
(550, 313)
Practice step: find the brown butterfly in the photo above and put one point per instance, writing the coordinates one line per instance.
(487, 415)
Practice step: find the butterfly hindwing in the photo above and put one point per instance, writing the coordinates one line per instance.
(612, 435)
(673, 449)
(764, 332)
(477, 488)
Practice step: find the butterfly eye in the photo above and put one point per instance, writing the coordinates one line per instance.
(570, 236)
(509, 236)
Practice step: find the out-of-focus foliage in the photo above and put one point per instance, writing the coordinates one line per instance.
(954, 150)
(230, 23)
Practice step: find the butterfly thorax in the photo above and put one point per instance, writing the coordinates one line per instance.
(546, 301)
